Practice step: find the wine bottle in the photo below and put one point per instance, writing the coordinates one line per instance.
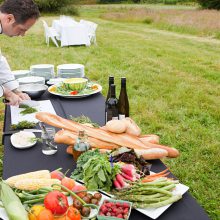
(112, 106)
(110, 82)
(123, 103)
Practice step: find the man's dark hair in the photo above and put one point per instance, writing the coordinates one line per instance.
(21, 9)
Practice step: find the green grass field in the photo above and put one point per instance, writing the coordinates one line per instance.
(173, 87)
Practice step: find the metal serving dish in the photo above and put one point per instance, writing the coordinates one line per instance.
(33, 90)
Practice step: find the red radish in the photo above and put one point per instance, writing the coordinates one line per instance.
(121, 181)
(131, 178)
(117, 184)
(128, 169)
(138, 176)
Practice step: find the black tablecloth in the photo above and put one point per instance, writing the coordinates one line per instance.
(20, 161)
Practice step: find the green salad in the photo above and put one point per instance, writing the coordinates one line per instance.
(90, 88)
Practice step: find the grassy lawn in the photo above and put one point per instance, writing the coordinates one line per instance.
(173, 87)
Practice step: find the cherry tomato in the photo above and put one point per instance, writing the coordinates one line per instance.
(68, 183)
(45, 215)
(56, 202)
(73, 213)
(56, 174)
(94, 87)
(79, 188)
(75, 92)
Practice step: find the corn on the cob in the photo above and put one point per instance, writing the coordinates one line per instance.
(34, 184)
(12, 203)
(41, 174)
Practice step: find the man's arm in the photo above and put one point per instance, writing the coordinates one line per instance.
(8, 81)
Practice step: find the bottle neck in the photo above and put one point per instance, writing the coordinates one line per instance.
(112, 93)
(123, 82)
(111, 80)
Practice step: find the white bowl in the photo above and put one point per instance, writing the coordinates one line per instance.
(22, 139)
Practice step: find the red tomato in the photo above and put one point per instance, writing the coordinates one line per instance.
(75, 92)
(73, 214)
(45, 215)
(56, 202)
(77, 188)
(68, 183)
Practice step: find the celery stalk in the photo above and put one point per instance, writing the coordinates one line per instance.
(12, 203)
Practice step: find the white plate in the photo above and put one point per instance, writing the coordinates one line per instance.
(42, 66)
(31, 79)
(55, 81)
(75, 96)
(70, 66)
(154, 213)
(24, 134)
(21, 72)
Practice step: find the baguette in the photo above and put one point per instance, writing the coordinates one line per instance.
(147, 154)
(172, 152)
(152, 153)
(149, 138)
(118, 139)
(69, 138)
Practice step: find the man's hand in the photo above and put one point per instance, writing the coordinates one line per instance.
(22, 95)
(12, 98)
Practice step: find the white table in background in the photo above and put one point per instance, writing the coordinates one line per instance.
(71, 33)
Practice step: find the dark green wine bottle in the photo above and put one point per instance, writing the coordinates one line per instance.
(123, 103)
(111, 112)
(110, 82)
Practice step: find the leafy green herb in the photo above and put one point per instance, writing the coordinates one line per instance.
(82, 119)
(97, 173)
(77, 174)
(34, 139)
(24, 106)
(23, 125)
(28, 110)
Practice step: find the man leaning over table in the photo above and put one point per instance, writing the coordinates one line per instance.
(16, 17)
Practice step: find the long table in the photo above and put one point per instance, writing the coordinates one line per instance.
(17, 161)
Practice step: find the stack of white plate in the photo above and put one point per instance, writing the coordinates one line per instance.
(43, 70)
(31, 80)
(20, 73)
(70, 71)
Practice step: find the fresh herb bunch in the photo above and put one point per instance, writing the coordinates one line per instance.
(23, 106)
(82, 119)
(23, 125)
(28, 110)
(77, 174)
(97, 173)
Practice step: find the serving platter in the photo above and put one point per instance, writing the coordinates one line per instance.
(154, 213)
(84, 93)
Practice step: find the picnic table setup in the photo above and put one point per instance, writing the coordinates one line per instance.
(84, 152)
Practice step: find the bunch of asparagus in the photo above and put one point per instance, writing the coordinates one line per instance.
(151, 194)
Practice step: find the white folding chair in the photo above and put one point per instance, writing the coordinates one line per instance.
(91, 27)
(50, 33)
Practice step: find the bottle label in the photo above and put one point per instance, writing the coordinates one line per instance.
(121, 116)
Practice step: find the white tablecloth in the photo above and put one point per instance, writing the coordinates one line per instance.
(71, 33)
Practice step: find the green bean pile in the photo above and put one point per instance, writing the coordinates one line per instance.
(151, 194)
(35, 196)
